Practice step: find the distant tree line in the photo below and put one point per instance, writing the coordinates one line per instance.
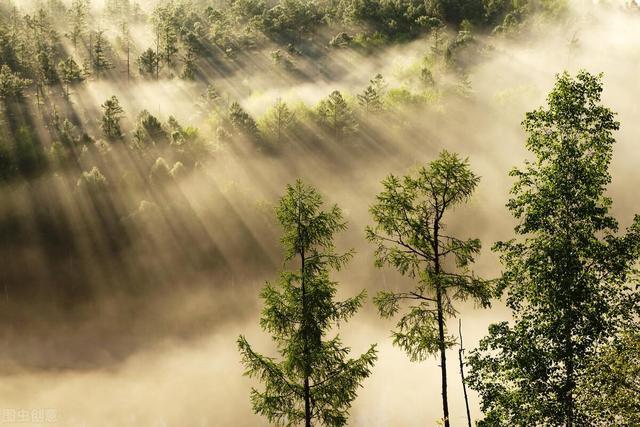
(185, 34)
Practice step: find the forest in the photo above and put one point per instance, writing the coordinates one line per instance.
(319, 213)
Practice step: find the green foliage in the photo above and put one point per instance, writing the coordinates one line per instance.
(279, 122)
(149, 131)
(70, 73)
(112, 113)
(610, 390)
(78, 15)
(408, 216)
(12, 85)
(189, 146)
(189, 69)
(242, 122)
(166, 26)
(148, 62)
(409, 236)
(100, 58)
(315, 380)
(291, 19)
(568, 273)
(336, 117)
(371, 99)
(8, 54)
(30, 157)
(401, 97)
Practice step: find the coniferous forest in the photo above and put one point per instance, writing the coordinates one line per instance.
(319, 213)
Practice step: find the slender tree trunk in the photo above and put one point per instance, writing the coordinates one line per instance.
(305, 335)
(464, 384)
(441, 338)
(128, 59)
(158, 56)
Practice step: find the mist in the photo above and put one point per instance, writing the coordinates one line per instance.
(145, 333)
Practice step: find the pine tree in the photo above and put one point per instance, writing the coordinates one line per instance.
(70, 73)
(112, 114)
(371, 99)
(100, 60)
(12, 85)
(279, 121)
(189, 70)
(78, 14)
(147, 62)
(568, 272)
(336, 116)
(166, 29)
(410, 236)
(315, 382)
(242, 122)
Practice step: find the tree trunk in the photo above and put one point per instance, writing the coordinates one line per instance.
(305, 335)
(464, 384)
(158, 56)
(441, 338)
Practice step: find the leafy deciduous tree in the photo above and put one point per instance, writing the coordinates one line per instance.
(567, 274)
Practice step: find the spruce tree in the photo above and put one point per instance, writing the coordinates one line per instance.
(315, 381)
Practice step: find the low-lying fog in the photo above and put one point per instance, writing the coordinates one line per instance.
(172, 361)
